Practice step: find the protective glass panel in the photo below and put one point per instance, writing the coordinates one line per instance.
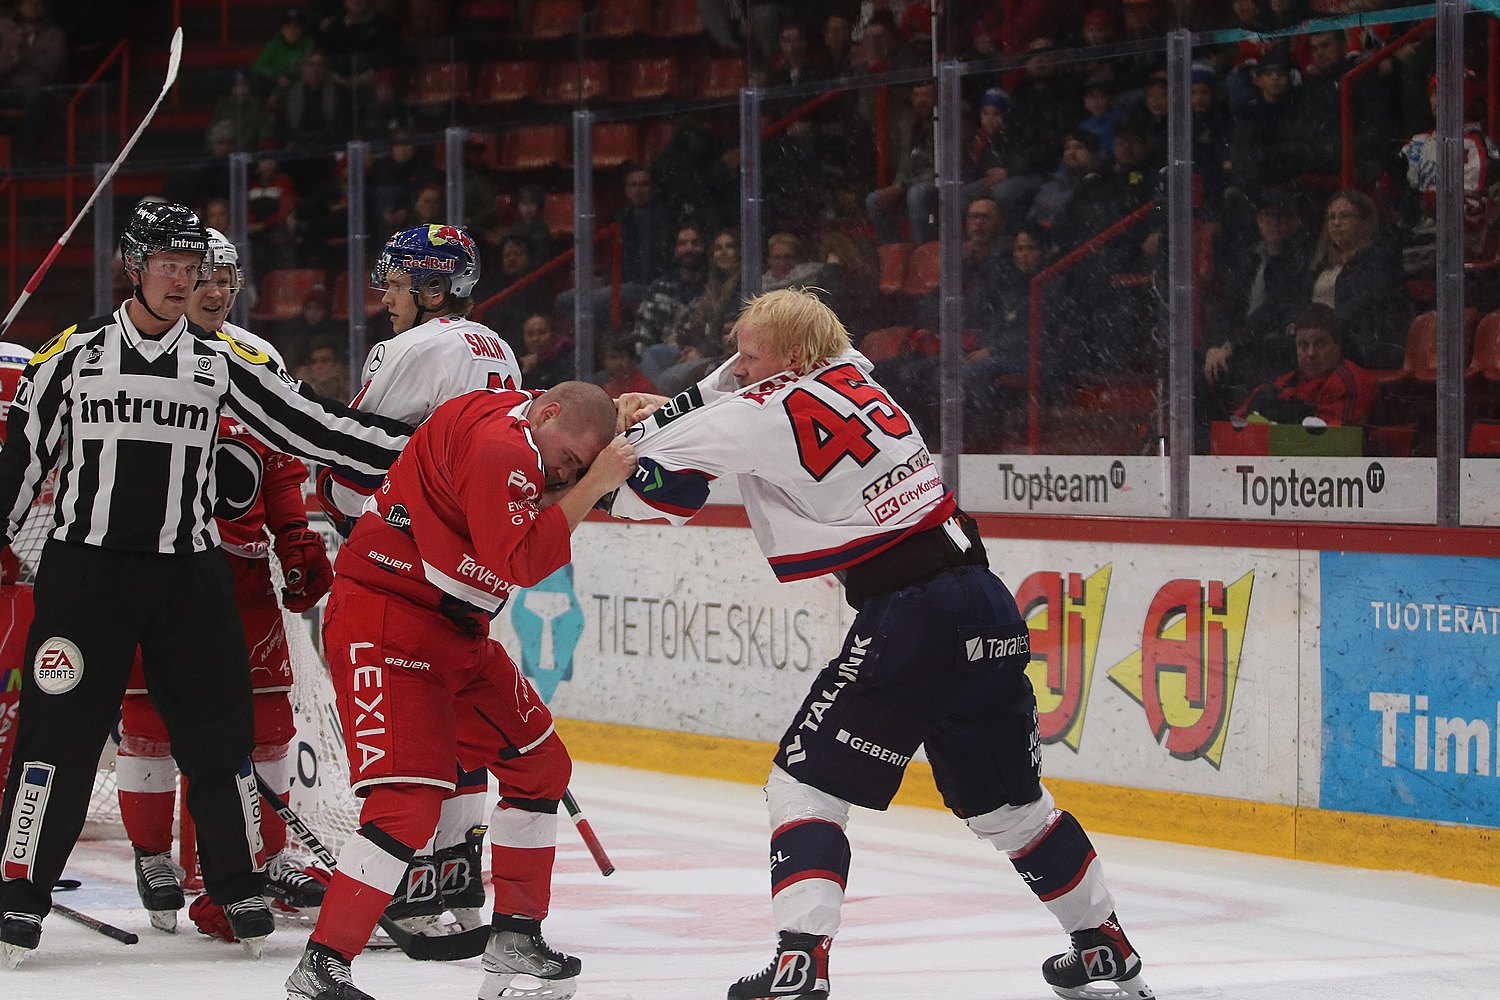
(667, 250)
(1063, 283)
(1316, 367)
(518, 204)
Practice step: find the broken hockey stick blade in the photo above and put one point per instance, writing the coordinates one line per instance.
(586, 831)
(94, 923)
(174, 62)
(440, 948)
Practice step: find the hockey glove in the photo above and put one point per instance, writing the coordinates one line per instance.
(304, 564)
(210, 918)
(342, 523)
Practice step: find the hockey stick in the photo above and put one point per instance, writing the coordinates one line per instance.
(442, 948)
(174, 61)
(94, 923)
(606, 866)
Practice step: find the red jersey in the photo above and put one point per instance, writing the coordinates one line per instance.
(457, 517)
(249, 474)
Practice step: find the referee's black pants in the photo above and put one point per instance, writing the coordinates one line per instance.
(95, 606)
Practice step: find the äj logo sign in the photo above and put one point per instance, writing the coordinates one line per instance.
(1064, 613)
(1184, 672)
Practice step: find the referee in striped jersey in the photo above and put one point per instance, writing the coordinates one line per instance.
(128, 406)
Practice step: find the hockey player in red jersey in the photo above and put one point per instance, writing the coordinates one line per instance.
(836, 479)
(463, 518)
(426, 276)
(259, 491)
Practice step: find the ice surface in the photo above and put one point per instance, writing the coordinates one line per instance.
(931, 913)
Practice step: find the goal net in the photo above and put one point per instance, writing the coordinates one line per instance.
(320, 775)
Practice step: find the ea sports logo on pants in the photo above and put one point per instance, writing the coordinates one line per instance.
(58, 666)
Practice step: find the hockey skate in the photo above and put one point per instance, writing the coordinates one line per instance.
(418, 904)
(158, 880)
(1099, 965)
(518, 965)
(287, 882)
(251, 921)
(323, 974)
(798, 972)
(20, 933)
(461, 881)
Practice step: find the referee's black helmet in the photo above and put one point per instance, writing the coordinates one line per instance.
(160, 227)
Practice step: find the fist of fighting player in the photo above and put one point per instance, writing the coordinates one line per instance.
(304, 565)
(342, 523)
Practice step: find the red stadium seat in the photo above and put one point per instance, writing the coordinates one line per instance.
(568, 82)
(1420, 361)
(506, 83)
(534, 148)
(893, 258)
(722, 77)
(283, 292)
(1484, 439)
(677, 19)
(340, 309)
(1486, 360)
(887, 342)
(616, 144)
(620, 18)
(557, 212)
(645, 79)
(550, 19)
(654, 138)
(922, 273)
(439, 83)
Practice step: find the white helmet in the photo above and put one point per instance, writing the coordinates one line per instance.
(223, 253)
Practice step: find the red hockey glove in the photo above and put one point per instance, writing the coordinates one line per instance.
(210, 918)
(304, 564)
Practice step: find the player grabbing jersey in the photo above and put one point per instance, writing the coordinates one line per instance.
(258, 489)
(427, 276)
(836, 479)
(462, 519)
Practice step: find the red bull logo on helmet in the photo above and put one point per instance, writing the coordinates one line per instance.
(450, 234)
(411, 263)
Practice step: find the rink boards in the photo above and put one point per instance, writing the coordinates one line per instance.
(1314, 692)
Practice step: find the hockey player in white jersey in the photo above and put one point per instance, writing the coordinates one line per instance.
(427, 276)
(836, 478)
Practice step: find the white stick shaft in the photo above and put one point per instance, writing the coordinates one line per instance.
(174, 62)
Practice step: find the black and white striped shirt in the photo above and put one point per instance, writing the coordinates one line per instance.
(133, 421)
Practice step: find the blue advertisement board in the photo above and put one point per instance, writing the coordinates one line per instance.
(1411, 686)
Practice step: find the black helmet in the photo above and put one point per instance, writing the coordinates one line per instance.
(160, 227)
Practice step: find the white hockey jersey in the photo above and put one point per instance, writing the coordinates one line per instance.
(407, 376)
(831, 471)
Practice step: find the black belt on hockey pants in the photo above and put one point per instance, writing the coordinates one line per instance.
(912, 559)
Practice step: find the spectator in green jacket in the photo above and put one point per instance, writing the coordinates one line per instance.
(277, 65)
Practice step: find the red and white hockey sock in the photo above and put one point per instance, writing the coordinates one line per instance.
(809, 870)
(273, 765)
(395, 820)
(463, 809)
(1059, 866)
(146, 776)
(523, 846)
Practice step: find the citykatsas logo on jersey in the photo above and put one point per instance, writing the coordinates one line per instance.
(1064, 613)
(1185, 670)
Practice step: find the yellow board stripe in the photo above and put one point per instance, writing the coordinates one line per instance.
(1353, 839)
